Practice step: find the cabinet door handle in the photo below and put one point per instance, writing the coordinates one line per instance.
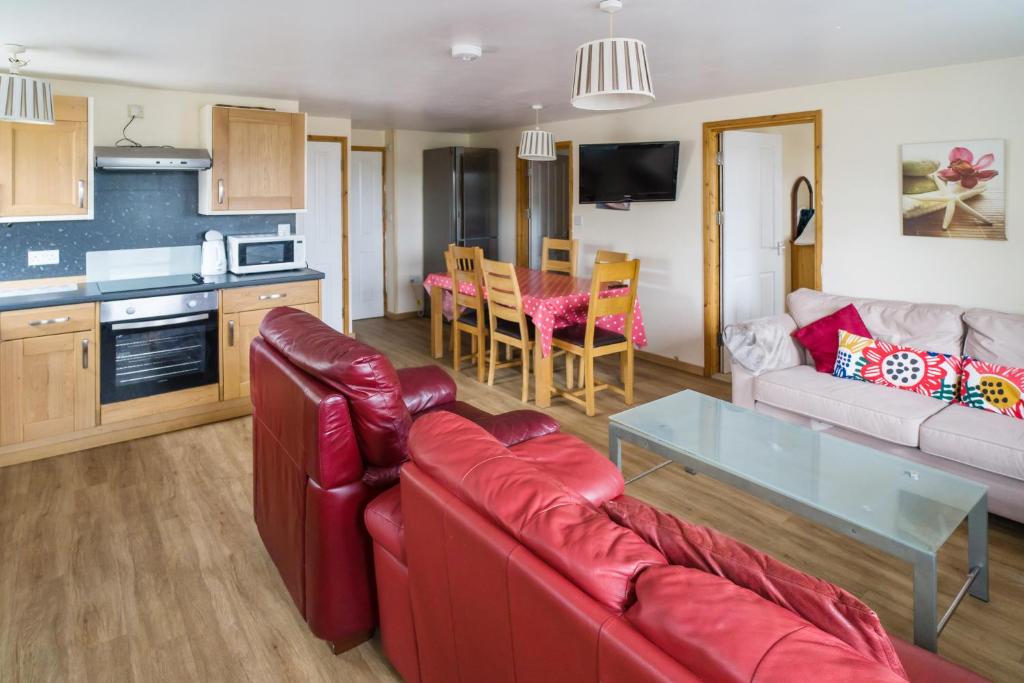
(81, 194)
(85, 354)
(220, 191)
(50, 321)
(271, 297)
(231, 333)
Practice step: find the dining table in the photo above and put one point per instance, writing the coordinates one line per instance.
(551, 301)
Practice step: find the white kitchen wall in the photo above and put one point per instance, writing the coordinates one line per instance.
(365, 137)
(865, 254)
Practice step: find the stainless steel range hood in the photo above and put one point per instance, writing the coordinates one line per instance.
(152, 159)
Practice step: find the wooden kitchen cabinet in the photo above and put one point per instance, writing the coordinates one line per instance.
(243, 310)
(46, 171)
(259, 161)
(49, 386)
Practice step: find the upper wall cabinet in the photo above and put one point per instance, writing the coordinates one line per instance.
(259, 161)
(46, 171)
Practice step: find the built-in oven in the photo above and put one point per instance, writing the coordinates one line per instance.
(157, 344)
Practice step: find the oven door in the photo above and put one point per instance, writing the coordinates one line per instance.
(147, 357)
(265, 255)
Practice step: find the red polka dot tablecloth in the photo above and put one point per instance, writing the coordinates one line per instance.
(552, 301)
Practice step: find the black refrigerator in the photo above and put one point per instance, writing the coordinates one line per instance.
(460, 203)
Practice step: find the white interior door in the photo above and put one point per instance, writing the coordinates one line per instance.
(366, 234)
(321, 224)
(753, 261)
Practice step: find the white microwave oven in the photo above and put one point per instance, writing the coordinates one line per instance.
(265, 253)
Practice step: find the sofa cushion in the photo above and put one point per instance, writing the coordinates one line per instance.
(572, 462)
(995, 388)
(898, 367)
(821, 338)
(935, 327)
(824, 604)
(508, 428)
(895, 416)
(987, 441)
(724, 632)
(544, 514)
(425, 387)
(384, 521)
(995, 337)
(361, 373)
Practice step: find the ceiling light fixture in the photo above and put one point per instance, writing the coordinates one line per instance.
(23, 99)
(537, 144)
(611, 73)
(467, 52)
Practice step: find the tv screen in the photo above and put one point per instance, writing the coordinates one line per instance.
(633, 172)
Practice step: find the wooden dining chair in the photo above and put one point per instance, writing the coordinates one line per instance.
(550, 265)
(508, 322)
(588, 341)
(467, 310)
(605, 256)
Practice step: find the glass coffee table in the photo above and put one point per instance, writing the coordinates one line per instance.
(895, 505)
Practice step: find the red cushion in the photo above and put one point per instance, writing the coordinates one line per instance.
(727, 633)
(360, 372)
(553, 521)
(821, 338)
(823, 604)
(425, 387)
(575, 464)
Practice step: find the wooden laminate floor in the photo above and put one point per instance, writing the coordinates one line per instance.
(140, 561)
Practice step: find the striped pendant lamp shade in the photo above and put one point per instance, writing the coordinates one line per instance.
(537, 145)
(612, 73)
(25, 100)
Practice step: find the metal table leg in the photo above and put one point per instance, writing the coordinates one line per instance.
(926, 610)
(614, 447)
(977, 547)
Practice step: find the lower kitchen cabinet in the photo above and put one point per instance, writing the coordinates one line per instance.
(237, 332)
(49, 386)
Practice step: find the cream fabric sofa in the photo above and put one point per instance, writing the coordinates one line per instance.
(773, 375)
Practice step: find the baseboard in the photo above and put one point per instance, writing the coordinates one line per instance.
(401, 316)
(667, 362)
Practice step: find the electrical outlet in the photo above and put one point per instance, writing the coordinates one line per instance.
(137, 110)
(577, 220)
(49, 257)
(284, 229)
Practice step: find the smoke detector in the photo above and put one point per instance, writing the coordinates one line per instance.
(467, 52)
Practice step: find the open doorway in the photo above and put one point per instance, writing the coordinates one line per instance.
(762, 220)
(544, 203)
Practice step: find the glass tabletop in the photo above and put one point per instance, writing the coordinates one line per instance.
(909, 503)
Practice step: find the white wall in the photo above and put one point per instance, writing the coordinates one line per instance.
(365, 137)
(405, 219)
(329, 125)
(865, 254)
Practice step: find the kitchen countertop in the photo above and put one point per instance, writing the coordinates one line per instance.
(87, 292)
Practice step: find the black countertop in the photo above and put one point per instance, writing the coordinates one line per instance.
(88, 291)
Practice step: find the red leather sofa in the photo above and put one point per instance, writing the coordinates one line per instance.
(331, 418)
(527, 563)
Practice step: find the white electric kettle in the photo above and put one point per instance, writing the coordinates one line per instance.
(215, 260)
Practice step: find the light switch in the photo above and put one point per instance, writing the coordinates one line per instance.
(50, 257)
(577, 220)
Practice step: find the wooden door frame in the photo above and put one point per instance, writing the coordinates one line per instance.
(346, 321)
(523, 202)
(712, 243)
(383, 211)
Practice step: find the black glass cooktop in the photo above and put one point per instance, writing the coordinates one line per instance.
(140, 283)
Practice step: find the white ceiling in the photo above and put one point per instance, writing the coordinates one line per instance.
(385, 63)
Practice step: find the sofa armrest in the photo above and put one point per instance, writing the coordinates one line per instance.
(518, 426)
(764, 344)
(426, 387)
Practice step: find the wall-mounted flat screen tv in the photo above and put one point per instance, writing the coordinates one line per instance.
(628, 172)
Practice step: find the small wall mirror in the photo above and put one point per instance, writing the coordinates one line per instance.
(802, 201)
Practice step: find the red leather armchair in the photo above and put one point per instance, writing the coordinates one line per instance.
(331, 418)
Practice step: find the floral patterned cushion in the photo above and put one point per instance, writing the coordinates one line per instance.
(903, 367)
(997, 388)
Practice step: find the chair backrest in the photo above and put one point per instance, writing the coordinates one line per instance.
(550, 265)
(504, 299)
(624, 277)
(465, 268)
(605, 256)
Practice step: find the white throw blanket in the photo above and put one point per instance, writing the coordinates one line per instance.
(764, 344)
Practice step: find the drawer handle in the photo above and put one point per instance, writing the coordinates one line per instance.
(271, 297)
(81, 194)
(85, 354)
(50, 321)
(231, 333)
(220, 191)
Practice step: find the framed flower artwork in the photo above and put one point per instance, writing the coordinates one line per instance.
(954, 189)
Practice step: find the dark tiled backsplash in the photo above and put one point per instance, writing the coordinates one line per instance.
(133, 210)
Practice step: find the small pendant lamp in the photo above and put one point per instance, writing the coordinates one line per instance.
(611, 73)
(537, 144)
(23, 99)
